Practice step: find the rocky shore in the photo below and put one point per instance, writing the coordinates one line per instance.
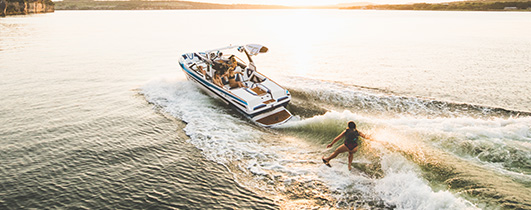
(24, 7)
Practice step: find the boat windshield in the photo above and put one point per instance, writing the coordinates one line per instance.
(221, 62)
(225, 54)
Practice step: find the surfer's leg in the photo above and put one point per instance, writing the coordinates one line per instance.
(350, 157)
(338, 151)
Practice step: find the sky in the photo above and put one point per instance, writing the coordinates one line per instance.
(316, 2)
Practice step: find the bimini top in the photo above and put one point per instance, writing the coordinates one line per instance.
(252, 49)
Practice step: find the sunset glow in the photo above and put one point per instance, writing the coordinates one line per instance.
(318, 2)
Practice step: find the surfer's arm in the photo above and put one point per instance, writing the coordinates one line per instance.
(336, 139)
(365, 136)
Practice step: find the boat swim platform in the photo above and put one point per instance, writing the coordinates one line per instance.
(276, 118)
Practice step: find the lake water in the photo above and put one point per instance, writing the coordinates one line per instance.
(96, 112)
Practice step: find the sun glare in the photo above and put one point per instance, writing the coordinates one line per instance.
(306, 2)
(393, 139)
(302, 3)
(299, 31)
(406, 144)
(384, 136)
(279, 2)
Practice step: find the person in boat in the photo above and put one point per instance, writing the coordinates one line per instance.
(232, 62)
(232, 74)
(350, 145)
(200, 69)
(233, 83)
(219, 65)
(217, 79)
(222, 65)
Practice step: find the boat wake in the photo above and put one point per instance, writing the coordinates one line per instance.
(209, 123)
(334, 95)
(455, 145)
(465, 156)
(284, 163)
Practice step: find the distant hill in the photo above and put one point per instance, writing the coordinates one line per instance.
(479, 5)
(354, 4)
(499, 1)
(151, 5)
(335, 6)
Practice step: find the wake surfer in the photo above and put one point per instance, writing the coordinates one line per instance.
(351, 144)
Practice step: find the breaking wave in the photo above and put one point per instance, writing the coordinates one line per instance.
(381, 102)
(409, 167)
(433, 149)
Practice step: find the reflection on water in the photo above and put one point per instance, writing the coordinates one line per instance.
(77, 131)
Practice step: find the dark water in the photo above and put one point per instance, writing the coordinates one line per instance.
(75, 133)
(115, 153)
(83, 166)
(96, 113)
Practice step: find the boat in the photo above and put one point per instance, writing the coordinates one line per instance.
(257, 96)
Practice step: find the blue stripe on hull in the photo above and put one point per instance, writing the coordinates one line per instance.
(205, 83)
(210, 87)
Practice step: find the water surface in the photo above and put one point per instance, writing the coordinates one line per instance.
(96, 112)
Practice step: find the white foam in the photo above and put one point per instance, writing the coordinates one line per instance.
(224, 137)
(401, 186)
(333, 116)
(408, 191)
(495, 129)
(496, 143)
(362, 98)
(221, 136)
(501, 133)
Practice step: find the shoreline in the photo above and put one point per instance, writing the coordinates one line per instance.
(508, 6)
(25, 7)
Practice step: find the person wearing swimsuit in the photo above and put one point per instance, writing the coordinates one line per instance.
(350, 145)
(217, 79)
(231, 74)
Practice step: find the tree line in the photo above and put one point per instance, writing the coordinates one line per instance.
(470, 6)
(21, 7)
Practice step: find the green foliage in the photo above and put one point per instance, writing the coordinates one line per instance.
(149, 5)
(16, 1)
(47, 2)
(467, 5)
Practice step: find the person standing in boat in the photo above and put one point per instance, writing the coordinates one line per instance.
(350, 145)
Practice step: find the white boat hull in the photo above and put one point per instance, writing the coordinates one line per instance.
(264, 104)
